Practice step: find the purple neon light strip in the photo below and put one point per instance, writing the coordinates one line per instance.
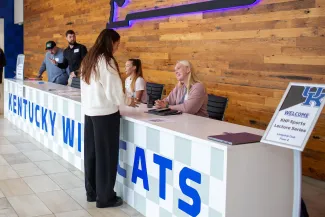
(154, 18)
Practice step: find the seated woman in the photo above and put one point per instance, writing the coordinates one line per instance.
(189, 95)
(135, 85)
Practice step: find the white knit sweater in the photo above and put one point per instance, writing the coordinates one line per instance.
(104, 94)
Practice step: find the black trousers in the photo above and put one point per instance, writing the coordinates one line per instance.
(1, 72)
(101, 142)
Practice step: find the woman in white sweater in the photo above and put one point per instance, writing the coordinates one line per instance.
(101, 95)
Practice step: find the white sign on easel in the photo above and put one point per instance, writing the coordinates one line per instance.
(20, 67)
(296, 116)
(292, 124)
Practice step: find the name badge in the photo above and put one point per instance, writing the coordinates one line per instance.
(76, 50)
(57, 59)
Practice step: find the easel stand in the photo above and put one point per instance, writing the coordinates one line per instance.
(296, 183)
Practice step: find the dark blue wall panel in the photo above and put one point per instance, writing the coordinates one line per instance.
(14, 36)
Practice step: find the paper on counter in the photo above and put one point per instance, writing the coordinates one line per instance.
(66, 92)
(73, 94)
(57, 91)
(159, 120)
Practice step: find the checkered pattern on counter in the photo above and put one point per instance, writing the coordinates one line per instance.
(63, 108)
(202, 158)
(208, 161)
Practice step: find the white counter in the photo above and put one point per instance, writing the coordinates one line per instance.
(166, 168)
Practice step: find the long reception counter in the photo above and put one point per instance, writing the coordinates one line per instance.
(167, 166)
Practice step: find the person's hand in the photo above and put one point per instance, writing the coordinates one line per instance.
(137, 100)
(72, 75)
(133, 103)
(53, 61)
(160, 104)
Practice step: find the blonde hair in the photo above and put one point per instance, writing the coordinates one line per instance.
(192, 78)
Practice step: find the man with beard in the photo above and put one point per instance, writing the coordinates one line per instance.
(73, 54)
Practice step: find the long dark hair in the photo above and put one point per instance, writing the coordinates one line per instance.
(138, 71)
(103, 46)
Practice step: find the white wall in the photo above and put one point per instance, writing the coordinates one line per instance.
(19, 11)
(2, 46)
(2, 36)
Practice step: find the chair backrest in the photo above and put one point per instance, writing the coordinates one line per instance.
(155, 90)
(75, 82)
(217, 106)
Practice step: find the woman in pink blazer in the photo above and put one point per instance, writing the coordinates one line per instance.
(189, 95)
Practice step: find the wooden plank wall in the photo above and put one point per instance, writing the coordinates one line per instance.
(249, 55)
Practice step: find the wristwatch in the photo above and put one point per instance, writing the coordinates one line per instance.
(167, 105)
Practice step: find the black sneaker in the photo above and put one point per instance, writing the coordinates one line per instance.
(115, 203)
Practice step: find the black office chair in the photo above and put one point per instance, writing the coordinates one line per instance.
(75, 82)
(154, 90)
(217, 106)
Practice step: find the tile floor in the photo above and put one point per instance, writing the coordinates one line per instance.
(36, 182)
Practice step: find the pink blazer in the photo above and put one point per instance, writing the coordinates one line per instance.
(196, 102)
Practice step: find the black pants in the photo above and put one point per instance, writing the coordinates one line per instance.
(101, 142)
(1, 72)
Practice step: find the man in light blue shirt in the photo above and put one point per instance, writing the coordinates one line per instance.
(54, 73)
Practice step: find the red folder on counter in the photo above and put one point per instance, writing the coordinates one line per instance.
(236, 138)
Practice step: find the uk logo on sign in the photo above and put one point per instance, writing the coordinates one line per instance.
(313, 97)
(157, 11)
